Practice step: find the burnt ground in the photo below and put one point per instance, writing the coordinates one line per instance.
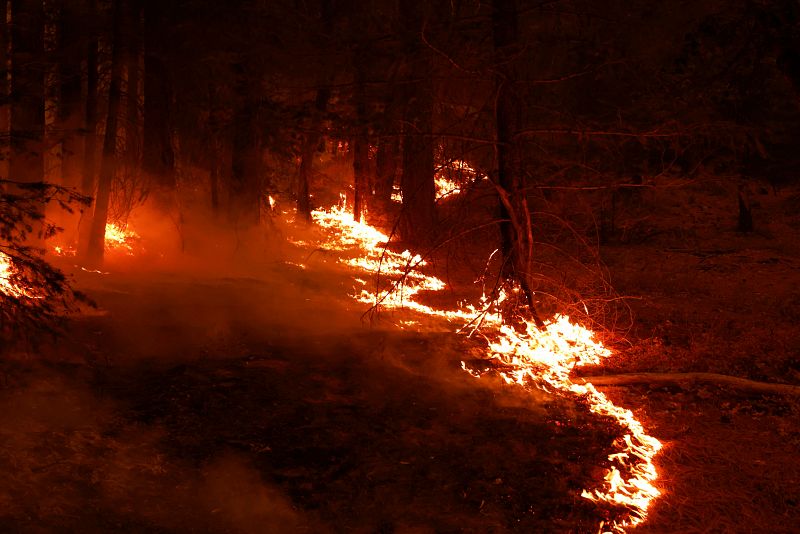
(707, 298)
(182, 409)
(201, 405)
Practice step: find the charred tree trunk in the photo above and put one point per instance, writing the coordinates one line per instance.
(313, 135)
(516, 231)
(245, 204)
(360, 140)
(70, 108)
(5, 107)
(90, 111)
(132, 121)
(158, 157)
(97, 231)
(418, 215)
(310, 143)
(27, 91)
(388, 148)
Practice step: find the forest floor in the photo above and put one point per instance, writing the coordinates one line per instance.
(238, 405)
(265, 404)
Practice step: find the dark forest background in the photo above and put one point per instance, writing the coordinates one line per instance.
(223, 104)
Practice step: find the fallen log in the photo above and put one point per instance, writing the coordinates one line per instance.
(679, 379)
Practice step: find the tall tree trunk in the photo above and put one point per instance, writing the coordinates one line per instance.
(27, 91)
(310, 144)
(388, 148)
(361, 139)
(245, 204)
(90, 111)
(5, 107)
(70, 108)
(97, 231)
(418, 215)
(516, 231)
(313, 135)
(158, 157)
(132, 122)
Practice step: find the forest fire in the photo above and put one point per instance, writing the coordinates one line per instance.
(117, 237)
(543, 358)
(120, 238)
(7, 285)
(6, 271)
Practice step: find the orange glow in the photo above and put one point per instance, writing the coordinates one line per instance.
(531, 357)
(8, 286)
(120, 238)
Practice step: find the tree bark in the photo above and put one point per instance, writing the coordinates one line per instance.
(90, 111)
(313, 135)
(361, 139)
(516, 230)
(245, 204)
(158, 157)
(96, 244)
(418, 215)
(5, 107)
(132, 121)
(309, 148)
(70, 108)
(386, 171)
(27, 91)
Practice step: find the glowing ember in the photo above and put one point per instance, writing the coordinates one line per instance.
(543, 358)
(120, 238)
(60, 250)
(451, 177)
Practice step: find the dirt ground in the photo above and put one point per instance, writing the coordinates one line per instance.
(708, 298)
(202, 406)
(209, 404)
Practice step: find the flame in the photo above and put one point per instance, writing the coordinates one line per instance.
(120, 238)
(7, 285)
(529, 356)
(448, 180)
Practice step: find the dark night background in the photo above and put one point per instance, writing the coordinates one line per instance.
(634, 164)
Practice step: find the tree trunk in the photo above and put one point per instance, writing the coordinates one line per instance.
(27, 91)
(386, 172)
(70, 108)
(245, 204)
(97, 231)
(158, 157)
(310, 143)
(516, 231)
(4, 89)
(418, 215)
(361, 139)
(313, 135)
(132, 122)
(90, 112)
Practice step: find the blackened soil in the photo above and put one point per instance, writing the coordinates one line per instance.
(339, 437)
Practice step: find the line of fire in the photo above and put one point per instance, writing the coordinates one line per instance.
(383, 266)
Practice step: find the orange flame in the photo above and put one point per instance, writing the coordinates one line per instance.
(7, 285)
(544, 358)
(120, 238)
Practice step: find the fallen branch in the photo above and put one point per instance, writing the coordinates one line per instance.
(679, 379)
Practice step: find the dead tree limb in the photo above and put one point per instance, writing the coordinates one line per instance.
(683, 379)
